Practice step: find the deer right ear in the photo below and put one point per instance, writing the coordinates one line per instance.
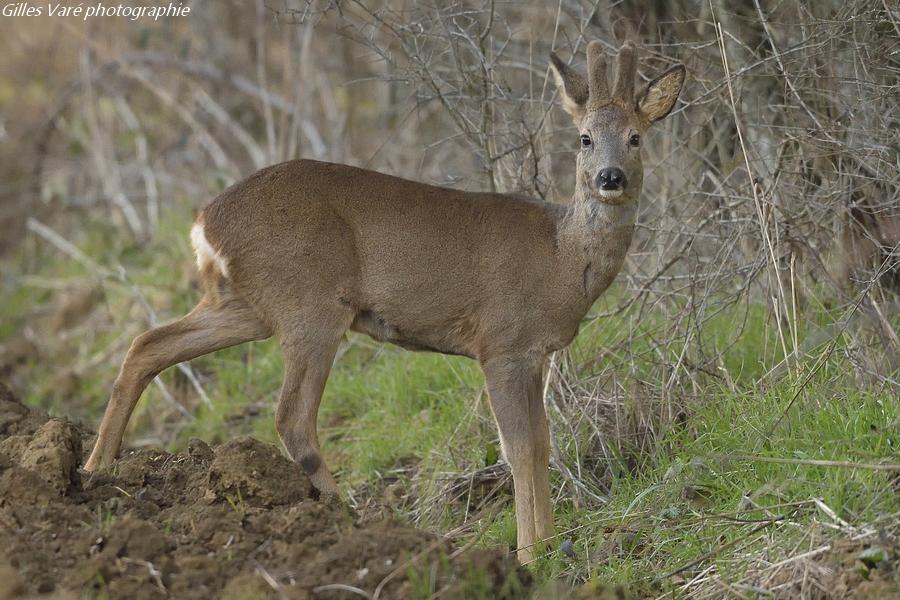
(659, 98)
(573, 87)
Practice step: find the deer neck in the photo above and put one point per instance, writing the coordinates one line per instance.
(593, 241)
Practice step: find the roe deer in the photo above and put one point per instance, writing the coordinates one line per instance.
(306, 250)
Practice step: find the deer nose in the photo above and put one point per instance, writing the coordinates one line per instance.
(611, 178)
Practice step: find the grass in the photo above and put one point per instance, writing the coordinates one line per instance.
(689, 503)
(699, 500)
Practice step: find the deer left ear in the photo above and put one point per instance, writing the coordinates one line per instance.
(573, 87)
(659, 98)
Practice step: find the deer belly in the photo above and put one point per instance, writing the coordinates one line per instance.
(379, 329)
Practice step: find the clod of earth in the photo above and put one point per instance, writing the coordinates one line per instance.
(234, 521)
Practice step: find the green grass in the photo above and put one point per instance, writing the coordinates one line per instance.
(383, 407)
(652, 526)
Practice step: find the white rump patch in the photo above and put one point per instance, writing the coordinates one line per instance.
(206, 254)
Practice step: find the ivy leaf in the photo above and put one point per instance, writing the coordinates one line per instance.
(491, 454)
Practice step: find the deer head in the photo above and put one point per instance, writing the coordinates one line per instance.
(612, 124)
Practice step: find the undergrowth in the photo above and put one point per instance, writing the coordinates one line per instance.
(729, 486)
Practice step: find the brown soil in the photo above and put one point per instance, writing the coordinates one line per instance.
(234, 521)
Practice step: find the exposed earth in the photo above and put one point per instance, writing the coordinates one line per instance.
(238, 520)
(241, 521)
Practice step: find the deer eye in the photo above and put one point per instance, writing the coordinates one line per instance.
(635, 140)
(585, 141)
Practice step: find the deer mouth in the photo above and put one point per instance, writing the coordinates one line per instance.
(610, 195)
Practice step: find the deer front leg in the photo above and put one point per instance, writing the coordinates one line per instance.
(514, 385)
(540, 430)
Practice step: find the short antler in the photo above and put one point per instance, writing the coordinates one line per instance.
(582, 95)
(623, 89)
(597, 83)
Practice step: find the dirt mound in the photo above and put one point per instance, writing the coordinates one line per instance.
(235, 521)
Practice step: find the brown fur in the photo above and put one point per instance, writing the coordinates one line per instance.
(313, 249)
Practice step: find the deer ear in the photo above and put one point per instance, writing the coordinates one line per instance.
(658, 99)
(573, 87)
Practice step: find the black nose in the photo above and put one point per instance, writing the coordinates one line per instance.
(611, 179)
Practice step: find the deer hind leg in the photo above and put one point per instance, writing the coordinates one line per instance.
(514, 387)
(216, 322)
(308, 356)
